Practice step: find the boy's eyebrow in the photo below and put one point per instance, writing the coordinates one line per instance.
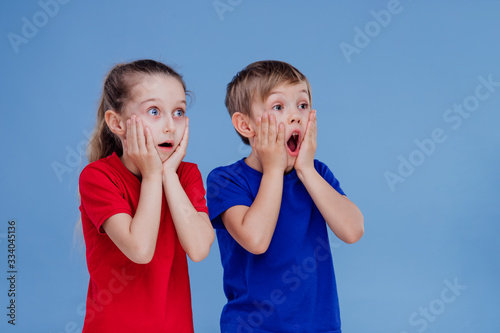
(281, 93)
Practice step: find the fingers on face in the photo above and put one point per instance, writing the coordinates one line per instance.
(185, 136)
(281, 133)
(311, 124)
(131, 135)
(149, 139)
(272, 128)
(268, 130)
(264, 128)
(138, 137)
(314, 123)
(141, 140)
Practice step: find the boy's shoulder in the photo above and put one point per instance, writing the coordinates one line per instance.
(241, 169)
(236, 169)
(320, 166)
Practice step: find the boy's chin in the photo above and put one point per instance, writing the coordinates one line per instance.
(290, 163)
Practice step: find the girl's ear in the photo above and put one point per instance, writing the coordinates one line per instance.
(241, 123)
(116, 124)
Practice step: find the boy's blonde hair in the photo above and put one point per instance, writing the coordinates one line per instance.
(255, 83)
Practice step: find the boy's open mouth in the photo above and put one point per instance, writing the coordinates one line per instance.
(293, 142)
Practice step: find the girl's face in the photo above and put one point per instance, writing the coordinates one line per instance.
(160, 101)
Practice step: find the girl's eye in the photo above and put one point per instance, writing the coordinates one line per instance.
(178, 113)
(303, 106)
(278, 107)
(154, 111)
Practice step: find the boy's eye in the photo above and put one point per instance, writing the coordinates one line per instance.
(278, 107)
(178, 113)
(303, 106)
(154, 111)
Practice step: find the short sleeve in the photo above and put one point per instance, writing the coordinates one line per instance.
(225, 190)
(327, 174)
(192, 182)
(101, 197)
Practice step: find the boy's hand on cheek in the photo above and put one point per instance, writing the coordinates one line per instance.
(141, 149)
(305, 159)
(269, 143)
(173, 161)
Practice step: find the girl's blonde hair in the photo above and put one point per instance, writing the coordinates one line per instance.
(117, 87)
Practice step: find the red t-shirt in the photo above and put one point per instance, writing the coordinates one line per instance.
(124, 296)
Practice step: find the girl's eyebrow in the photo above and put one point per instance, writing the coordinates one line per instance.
(149, 100)
(154, 99)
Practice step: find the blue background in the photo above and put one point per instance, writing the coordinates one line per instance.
(438, 226)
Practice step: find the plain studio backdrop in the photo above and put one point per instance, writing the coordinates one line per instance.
(408, 100)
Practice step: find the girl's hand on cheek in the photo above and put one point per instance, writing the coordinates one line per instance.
(140, 147)
(305, 159)
(173, 161)
(269, 143)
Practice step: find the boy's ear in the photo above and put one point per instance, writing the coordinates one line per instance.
(241, 123)
(116, 124)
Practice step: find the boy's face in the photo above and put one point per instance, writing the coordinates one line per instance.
(160, 102)
(290, 104)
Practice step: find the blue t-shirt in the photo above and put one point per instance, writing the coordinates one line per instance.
(291, 287)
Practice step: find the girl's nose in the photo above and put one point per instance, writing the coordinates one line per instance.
(169, 125)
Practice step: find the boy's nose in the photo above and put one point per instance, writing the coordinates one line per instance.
(294, 117)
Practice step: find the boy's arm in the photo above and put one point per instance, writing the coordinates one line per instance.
(253, 227)
(193, 228)
(342, 216)
(136, 236)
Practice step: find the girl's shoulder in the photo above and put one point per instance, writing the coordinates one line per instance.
(188, 170)
(107, 167)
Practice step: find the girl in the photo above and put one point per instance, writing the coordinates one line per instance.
(142, 208)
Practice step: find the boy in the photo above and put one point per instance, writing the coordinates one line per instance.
(270, 210)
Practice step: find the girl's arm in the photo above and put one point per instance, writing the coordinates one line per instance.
(136, 236)
(342, 216)
(253, 227)
(194, 228)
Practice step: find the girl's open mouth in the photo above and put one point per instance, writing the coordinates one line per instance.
(166, 145)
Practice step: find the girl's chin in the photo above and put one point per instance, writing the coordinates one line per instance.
(164, 157)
